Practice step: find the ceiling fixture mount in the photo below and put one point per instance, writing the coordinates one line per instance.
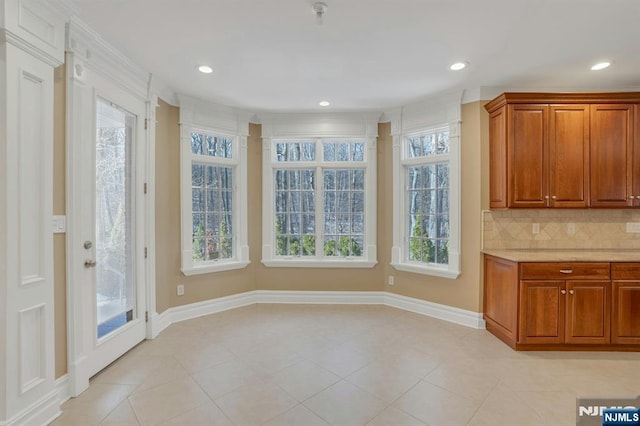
(205, 69)
(600, 66)
(458, 66)
(319, 9)
(324, 103)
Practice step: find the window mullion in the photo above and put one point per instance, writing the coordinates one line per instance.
(319, 213)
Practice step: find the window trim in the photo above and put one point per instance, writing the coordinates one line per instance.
(203, 118)
(408, 122)
(369, 258)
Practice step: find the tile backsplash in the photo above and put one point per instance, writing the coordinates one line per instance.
(559, 229)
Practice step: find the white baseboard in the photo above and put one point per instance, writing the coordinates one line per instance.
(435, 310)
(195, 310)
(321, 297)
(41, 412)
(62, 387)
(157, 323)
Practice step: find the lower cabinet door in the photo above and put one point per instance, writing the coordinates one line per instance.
(626, 312)
(542, 311)
(588, 312)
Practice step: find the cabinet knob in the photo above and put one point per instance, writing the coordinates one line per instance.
(546, 197)
(553, 197)
(563, 291)
(631, 197)
(570, 291)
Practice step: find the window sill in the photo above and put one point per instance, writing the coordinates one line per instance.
(436, 271)
(296, 262)
(215, 267)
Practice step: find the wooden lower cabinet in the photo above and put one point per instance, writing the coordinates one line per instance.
(625, 324)
(575, 312)
(541, 312)
(560, 305)
(588, 312)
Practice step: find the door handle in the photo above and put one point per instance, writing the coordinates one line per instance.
(90, 263)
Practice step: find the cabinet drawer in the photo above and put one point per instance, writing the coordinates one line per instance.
(564, 271)
(625, 271)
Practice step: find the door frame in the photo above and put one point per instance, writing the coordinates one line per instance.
(95, 69)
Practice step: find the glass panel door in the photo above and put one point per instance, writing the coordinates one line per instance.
(114, 218)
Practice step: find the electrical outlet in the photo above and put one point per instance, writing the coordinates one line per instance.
(180, 289)
(535, 228)
(571, 228)
(390, 280)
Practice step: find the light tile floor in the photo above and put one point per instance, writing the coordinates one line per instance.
(343, 365)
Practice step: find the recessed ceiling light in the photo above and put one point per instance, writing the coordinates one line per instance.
(324, 103)
(458, 66)
(600, 66)
(205, 69)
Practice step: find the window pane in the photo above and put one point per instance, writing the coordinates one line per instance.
(427, 212)
(296, 151)
(197, 197)
(295, 212)
(197, 175)
(342, 152)
(329, 151)
(357, 153)
(196, 143)
(357, 202)
(357, 179)
(212, 213)
(308, 179)
(435, 142)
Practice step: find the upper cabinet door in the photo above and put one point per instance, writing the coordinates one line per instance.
(569, 155)
(636, 156)
(611, 155)
(498, 159)
(528, 155)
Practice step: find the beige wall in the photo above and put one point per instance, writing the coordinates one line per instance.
(167, 192)
(59, 208)
(464, 292)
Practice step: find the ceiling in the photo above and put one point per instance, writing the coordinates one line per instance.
(371, 54)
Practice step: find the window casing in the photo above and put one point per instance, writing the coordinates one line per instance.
(426, 186)
(213, 204)
(319, 202)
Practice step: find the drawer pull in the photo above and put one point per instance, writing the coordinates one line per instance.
(566, 271)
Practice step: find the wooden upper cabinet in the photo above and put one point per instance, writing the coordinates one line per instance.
(636, 157)
(611, 155)
(498, 158)
(564, 150)
(527, 148)
(569, 155)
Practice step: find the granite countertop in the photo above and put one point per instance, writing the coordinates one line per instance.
(568, 255)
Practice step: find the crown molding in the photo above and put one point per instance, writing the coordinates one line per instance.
(93, 52)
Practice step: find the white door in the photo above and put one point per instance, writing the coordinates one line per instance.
(107, 232)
